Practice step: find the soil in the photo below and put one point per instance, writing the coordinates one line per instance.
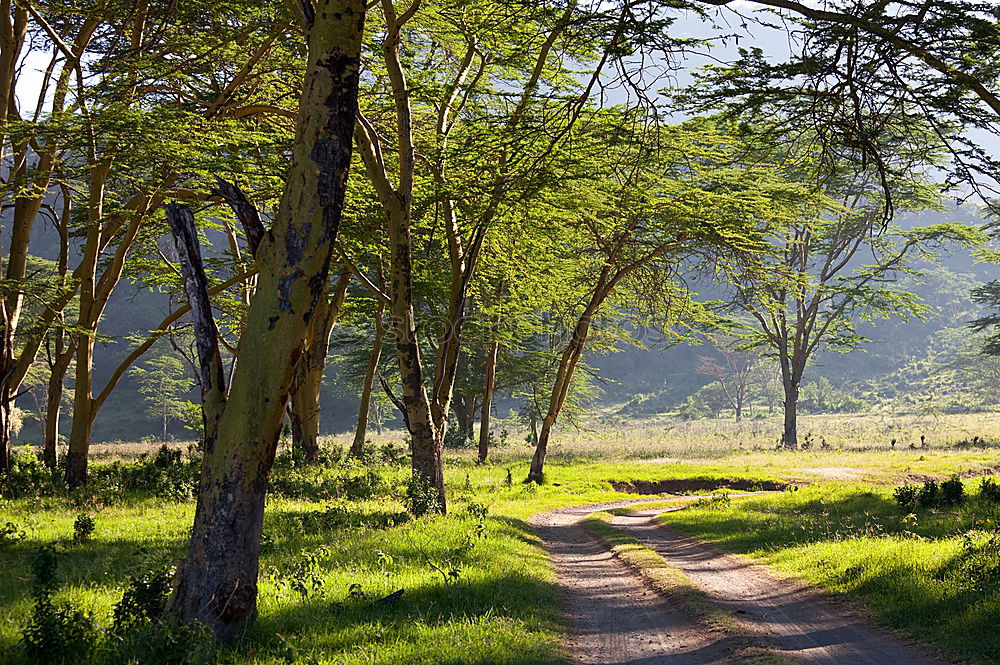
(688, 485)
(616, 619)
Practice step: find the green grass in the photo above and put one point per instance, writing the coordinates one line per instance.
(503, 607)
(907, 570)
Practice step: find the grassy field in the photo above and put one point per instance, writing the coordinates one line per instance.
(478, 588)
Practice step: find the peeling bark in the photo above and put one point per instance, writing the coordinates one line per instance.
(217, 581)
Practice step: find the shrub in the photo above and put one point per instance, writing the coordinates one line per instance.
(989, 490)
(952, 491)
(977, 567)
(10, 533)
(905, 496)
(55, 633)
(83, 528)
(929, 494)
(421, 496)
(28, 475)
(144, 599)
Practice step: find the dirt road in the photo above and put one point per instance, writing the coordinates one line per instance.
(617, 619)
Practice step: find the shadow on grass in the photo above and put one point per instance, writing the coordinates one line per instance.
(491, 614)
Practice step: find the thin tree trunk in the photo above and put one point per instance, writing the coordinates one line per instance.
(564, 377)
(789, 437)
(53, 407)
(484, 416)
(6, 430)
(304, 400)
(361, 430)
(217, 581)
(464, 407)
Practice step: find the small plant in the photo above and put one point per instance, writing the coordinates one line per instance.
(952, 491)
(989, 490)
(929, 494)
(905, 496)
(55, 633)
(977, 567)
(10, 533)
(305, 577)
(509, 481)
(144, 599)
(422, 496)
(83, 528)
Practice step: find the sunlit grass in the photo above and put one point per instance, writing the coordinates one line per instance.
(854, 540)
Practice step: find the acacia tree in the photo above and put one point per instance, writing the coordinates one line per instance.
(829, 271)
(217, 581)
(735, 370)
(472, 70)
(659, 201)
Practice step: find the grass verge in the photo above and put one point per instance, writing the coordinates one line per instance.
(933, 574)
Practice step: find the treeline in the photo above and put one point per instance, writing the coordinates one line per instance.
(444, 189)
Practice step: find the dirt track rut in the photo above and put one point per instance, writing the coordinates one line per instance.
(617, 620)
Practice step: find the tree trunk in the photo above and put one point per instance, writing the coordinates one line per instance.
(739, 410)
(53, 407)
(217, 581)
(360, 432)
(6, 430)
(83, 418)
(464, 407)
(484, 417)
(307, 384)
(789, 437)
(564, 377)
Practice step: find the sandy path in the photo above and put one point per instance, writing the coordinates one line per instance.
(783, 615)
(615, 618)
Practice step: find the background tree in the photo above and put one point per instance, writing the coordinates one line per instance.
(164, 382)
(833, 267)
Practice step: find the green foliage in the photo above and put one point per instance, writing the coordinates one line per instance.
(83, 527)
(55, 633)
(952, 491)
(10, 533)
(906, 496)
(989, 490)
(929, 494)
(144, 600)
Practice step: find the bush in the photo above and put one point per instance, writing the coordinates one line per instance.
(989, 490)
(55, 633)
(83, 528)
(977, 567)
(28, 475)
(929, 494)
(421, 496)
(10, 533)
(144, 599)
(952, 491)
(905, 496)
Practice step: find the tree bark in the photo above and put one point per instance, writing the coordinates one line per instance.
(789, 437)
(83, 417)
(307, 384)
(464, 407)
(217, 581)
(484, 417)
(53, 406)
(361, 430)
